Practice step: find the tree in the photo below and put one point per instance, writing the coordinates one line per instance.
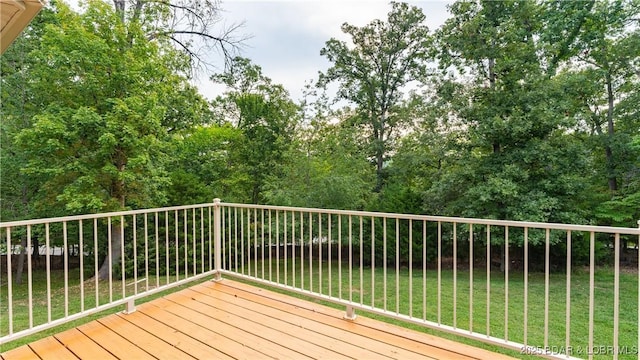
(384, 59)
(18, 104)
(522, 153)
(98, 140)
(609, 54)
(191, 25)
(326, 167)
(418, 163)
(600, 82)
(265, 114)
(207, 163)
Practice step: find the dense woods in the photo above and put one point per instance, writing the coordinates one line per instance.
(518, 110)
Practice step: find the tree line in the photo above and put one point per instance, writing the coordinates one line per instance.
(514, 110)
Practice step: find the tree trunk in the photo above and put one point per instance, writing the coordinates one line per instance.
(379, 175)
(612, 180)
(379, 150)
(115, 240)
(492, 72)
(120, 7)
(611, 168)
(20, 268)
(116, 247)
(35, 252)
(503, 265)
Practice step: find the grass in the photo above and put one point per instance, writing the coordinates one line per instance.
(408, 285)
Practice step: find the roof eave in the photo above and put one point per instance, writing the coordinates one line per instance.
(15, 15)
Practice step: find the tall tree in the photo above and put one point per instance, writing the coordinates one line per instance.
(98, 140)
(207, 163)
(18, 104)
(523, 156)
(609, 52)
(420, 159)
(372, 72)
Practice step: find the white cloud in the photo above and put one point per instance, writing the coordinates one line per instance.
(326, 18)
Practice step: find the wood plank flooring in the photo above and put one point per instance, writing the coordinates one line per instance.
(231, 320)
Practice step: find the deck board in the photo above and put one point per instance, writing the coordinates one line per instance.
(277, 331)
(335, 326)
(203, 334)
(427, 343)
(157, 347)
(243, 336)
(117, 345)
(177, 339)
(21, 353)
(326, 335)
(284, 324)
(231, 320)
(53, 348)
(82, 346)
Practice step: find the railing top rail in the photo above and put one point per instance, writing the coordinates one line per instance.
(448, 219)
(99, 215)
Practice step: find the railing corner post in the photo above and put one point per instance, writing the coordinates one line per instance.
(217, 238)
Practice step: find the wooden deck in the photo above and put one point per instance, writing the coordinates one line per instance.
(231, 320)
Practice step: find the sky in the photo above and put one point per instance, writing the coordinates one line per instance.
(285, 36)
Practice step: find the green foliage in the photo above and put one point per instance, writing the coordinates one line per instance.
(18, 104)
(264, 114)
(325, 169)
(608, 52)
(384, 58)
(97, 143)
(621, 210)
(207, 163)
(522, 163)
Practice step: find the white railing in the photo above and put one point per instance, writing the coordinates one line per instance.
(442, 273)
(161, 249)
(470, 277)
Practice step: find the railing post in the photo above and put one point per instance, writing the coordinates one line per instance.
(217, 238)
(130, 307)
(350, 313)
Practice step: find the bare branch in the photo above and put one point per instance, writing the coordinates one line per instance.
(190, 24)
(186, 48)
